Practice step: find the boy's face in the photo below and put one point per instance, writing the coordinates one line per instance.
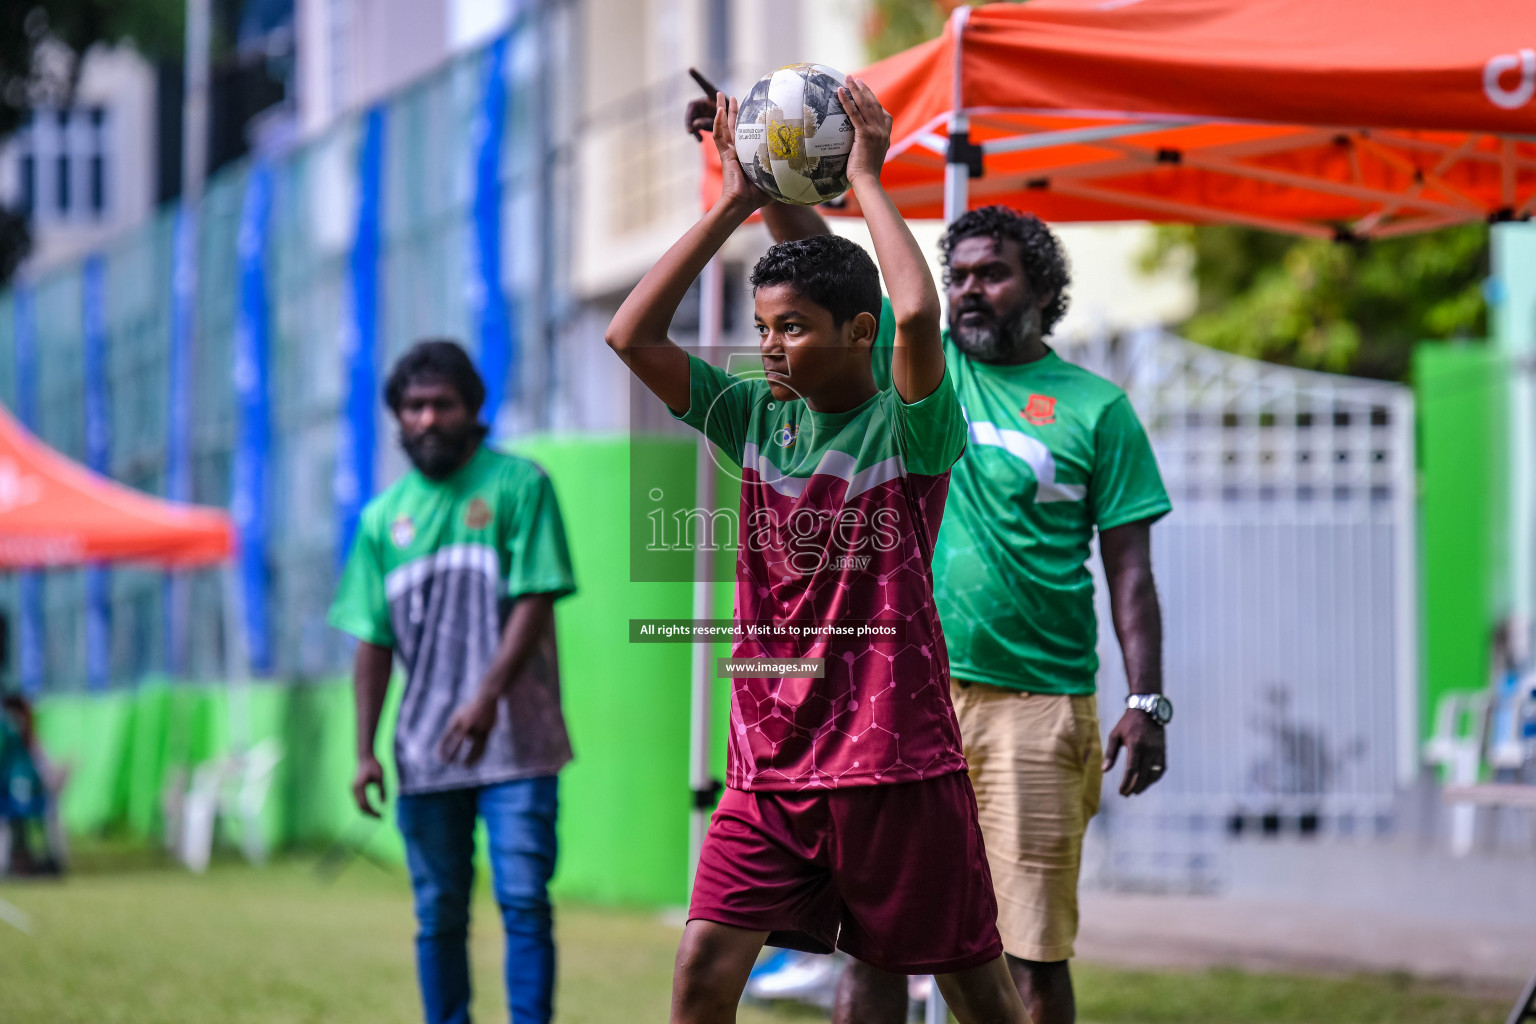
(806, 355)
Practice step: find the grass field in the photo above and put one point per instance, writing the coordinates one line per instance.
(130, 940)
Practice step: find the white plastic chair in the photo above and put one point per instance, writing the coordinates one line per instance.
(1456, 745)
(234, 788)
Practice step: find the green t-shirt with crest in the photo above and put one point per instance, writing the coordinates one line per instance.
(433, 573)
(1054, 453)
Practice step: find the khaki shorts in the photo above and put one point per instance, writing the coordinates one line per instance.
(1036, 767)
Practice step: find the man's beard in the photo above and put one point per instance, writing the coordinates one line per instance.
(438, 452)
(996, 339)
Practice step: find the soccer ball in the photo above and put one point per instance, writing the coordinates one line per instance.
(793, 137)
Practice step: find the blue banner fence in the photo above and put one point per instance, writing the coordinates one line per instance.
(243, 397)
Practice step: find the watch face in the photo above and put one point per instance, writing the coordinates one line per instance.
(1164, 710)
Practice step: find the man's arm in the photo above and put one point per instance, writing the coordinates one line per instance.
(638, 332)
(371, 666)
(786, 222)
(1127, 553)
(917, 359)
(473, 722)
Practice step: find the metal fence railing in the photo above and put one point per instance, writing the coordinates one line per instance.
(1287, 576)
(430, 184)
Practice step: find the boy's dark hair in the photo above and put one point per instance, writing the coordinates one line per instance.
(1039, 250)
(831, 271)
(440, 360)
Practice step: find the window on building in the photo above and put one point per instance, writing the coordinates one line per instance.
(27, 169)
(63, 194)
(63, 165)
(96, 163)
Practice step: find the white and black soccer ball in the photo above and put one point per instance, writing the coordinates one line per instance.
(793, 137)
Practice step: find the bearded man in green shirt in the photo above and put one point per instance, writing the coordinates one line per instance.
(1055, 453)
(453, 575)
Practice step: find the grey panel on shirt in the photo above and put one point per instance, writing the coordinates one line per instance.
(447, 611)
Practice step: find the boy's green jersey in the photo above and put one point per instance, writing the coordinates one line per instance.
(838, 517)
(433, 574)
(1055, 451)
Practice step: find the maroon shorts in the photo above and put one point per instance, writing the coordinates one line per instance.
(894, 875)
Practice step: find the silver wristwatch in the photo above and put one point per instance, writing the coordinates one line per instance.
(1154, 704)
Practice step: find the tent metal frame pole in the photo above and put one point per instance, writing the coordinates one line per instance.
(1187, 211)
(701, 779)
(957, 172)
(1514, 328)
(1437, 202)
(1520, 163)
(1363, 193)
(237, 658)
(1075, 136)
(961, 162)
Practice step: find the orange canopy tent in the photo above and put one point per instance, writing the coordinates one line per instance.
(54, 512)
(1332, 118)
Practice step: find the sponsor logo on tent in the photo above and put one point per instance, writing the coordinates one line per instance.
(17, 490)
(42, 550)
(1510, 79)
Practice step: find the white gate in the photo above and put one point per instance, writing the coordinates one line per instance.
(1287, 579)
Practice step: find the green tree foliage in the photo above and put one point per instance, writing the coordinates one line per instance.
(41, 44)
(1344, 307)
(40, 49)
(895, 25)
(1356, 307)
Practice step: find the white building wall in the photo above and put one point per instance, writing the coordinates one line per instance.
(636, 176)
(352, 53)
(122, 84)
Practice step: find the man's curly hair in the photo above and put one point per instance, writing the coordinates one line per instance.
(1040, 251)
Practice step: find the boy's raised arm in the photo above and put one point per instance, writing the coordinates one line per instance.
(917, 362)
(638, 332)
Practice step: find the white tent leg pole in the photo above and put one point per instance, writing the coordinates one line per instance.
(1514, 267)
(957, 199)
(957, 177)
(700, 778)
(237, 660)
(957, 180)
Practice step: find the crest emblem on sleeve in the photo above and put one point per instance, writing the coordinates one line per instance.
(402, 531)
(1040, 410)
(478, 515)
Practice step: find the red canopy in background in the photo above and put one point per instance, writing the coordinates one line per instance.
(54, 512)
(1319, 117)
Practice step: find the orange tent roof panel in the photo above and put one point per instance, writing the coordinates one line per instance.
(54, 512)
(1313, 116)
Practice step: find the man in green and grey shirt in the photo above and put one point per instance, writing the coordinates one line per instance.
(456, 569)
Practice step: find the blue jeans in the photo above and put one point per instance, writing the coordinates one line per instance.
(439, 831)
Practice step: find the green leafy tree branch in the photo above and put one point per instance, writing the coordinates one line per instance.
(1343, 307)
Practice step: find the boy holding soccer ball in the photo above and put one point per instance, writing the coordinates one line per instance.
(848, 795)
